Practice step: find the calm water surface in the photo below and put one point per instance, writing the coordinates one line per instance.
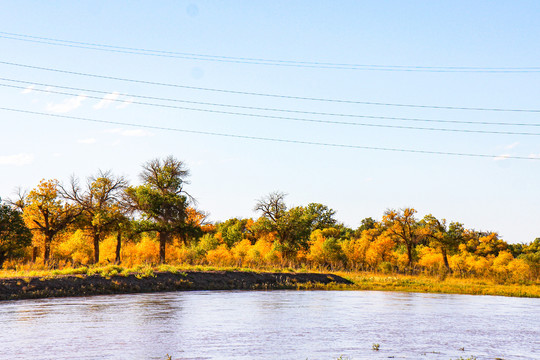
(271, 325)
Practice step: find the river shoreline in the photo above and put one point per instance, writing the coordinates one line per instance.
(87, 285)
(118, 280)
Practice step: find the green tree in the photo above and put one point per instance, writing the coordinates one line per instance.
(100, 205)
(293, 226)
(14, 235)
(235, 230)
(445, 238)
(161, 199)
(531, 255)
(294, 229)
(320, 216)
(533, 247)
(125, 229)
(366, 224)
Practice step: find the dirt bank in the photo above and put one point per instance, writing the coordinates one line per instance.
(82, 285)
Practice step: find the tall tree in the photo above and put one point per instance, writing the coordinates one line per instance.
(366, 224)
(46, 214)
(162, 200)
(125, 229)
(14, 235)
(321, 216)
(272, 206)
(293, 226)
(403, 226)
(100, 204)
(446, 238)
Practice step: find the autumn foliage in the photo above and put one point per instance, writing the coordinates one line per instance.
(139, 225)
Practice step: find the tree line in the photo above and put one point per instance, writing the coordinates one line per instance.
(72, 222)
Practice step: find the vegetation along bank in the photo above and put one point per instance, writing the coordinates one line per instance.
(59, 227)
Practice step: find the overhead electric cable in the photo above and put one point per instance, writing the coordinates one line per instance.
(284, 117)
(270, 139)
(273, 109)
(260, 61)
(292, 97)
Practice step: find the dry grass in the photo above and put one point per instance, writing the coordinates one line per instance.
(429, 284)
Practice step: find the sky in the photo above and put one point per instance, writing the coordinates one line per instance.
(439, 56)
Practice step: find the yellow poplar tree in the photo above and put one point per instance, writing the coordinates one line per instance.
(46, 214)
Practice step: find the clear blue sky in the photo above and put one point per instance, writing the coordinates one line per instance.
(228, 174)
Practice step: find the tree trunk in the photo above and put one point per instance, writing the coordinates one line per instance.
(96, 248)
(445, 259)
(409, 255)
(118, 246)
(184, 237)
(2, 258)
(163, 238)
(35, 251)
(47, 250)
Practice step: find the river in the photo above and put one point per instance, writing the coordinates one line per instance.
(271, 325)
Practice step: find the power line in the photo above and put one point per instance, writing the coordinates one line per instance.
(276, 109)
(292, 97)
(260, 61)
(287, 118)
(270, 139)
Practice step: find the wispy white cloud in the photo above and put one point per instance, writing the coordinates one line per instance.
(124, 104)
(137, 133)
(113, 131)
(67, 105)
(87, 141)
(534, 156)
(28, 90)
(17, 160)
(511, 146)
(106, 101)
(501, 157)
(134, 132)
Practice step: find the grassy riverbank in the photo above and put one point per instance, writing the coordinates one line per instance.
(428, 284)
(110, 282)
(360, 280)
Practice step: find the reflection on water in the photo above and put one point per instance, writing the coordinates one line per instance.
(271, 325)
